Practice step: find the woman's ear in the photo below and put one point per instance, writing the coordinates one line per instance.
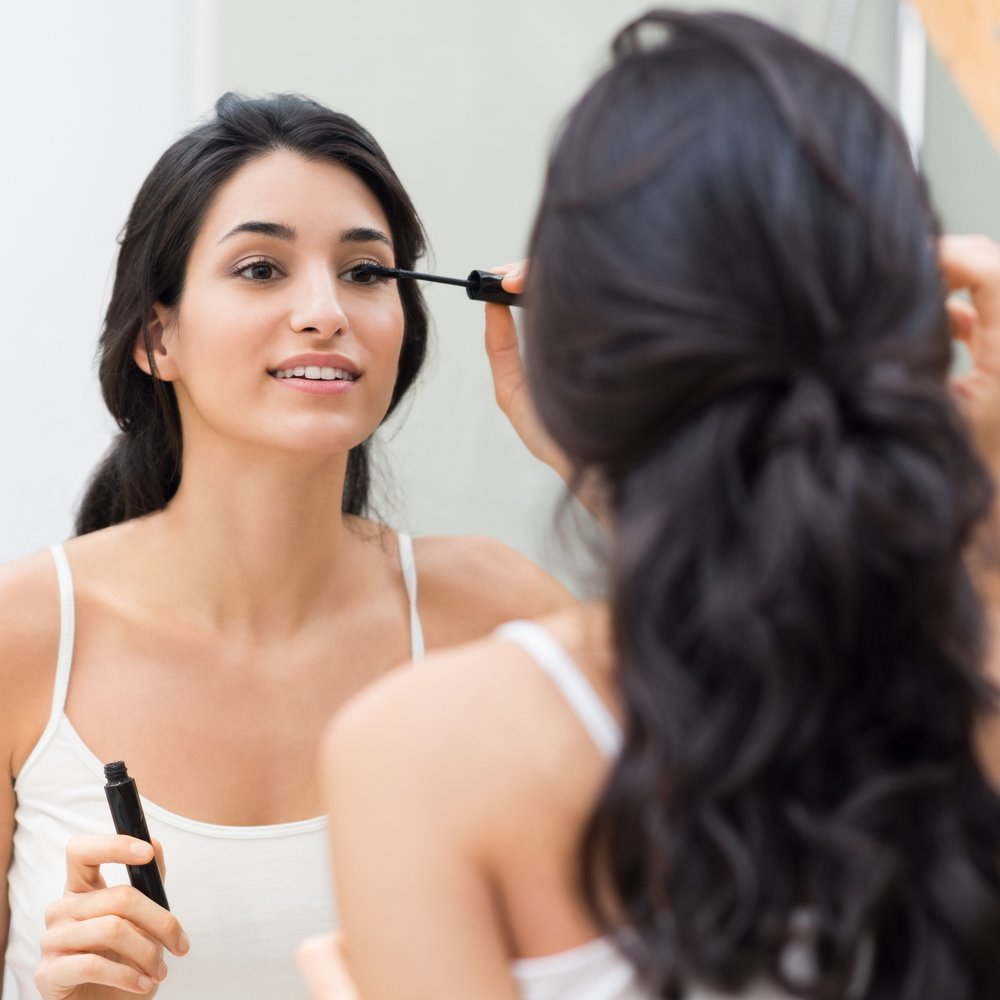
(161, 336)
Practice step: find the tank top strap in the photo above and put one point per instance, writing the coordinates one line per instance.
(67, 630)
(570, 680)
(409, 567)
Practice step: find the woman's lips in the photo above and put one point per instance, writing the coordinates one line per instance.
(312, 381)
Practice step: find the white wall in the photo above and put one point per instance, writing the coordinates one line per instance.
(92, 94)
(464, 98)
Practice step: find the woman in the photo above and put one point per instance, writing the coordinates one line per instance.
(226, 591)
(753, 770)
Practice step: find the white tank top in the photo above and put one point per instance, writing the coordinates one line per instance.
(246, 895)
(596, 970)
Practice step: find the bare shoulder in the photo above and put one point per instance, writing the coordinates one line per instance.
(469, 585)
(480, 729)
(29, 645)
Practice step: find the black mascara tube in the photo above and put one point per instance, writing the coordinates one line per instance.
(126, 810)
(485, 286)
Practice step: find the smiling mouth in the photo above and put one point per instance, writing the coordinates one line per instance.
(315, 373)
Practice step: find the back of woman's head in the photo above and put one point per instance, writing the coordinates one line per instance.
(738, 322)
(141, 470)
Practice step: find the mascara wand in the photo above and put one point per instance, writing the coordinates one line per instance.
(482, 286)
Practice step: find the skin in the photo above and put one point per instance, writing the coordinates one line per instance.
(248, 588)
(486, 869)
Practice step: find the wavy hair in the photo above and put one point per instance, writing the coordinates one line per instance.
(141, 471)
(738, 322)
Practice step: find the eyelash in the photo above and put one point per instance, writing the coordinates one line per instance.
(241, 269)
(374, 279)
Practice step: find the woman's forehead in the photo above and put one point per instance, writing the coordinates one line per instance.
(284, 188)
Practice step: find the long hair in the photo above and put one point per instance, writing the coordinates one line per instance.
(142, 468)
(738, 323)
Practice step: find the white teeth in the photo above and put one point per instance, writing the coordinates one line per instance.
(316, 373)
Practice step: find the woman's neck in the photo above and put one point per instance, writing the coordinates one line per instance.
(258, 540)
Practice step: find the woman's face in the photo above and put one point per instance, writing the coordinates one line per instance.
(273, 342)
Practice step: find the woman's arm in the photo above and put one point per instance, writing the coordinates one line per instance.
(971, 264)
(93, 934)
(29, 641)
(6, 849)
(510, 389)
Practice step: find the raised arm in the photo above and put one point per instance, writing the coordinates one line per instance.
(510, 389)
(971, 264)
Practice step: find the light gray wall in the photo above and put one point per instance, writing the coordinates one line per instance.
(962, 166)
(465, 98)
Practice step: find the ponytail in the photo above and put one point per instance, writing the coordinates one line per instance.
(798, 647)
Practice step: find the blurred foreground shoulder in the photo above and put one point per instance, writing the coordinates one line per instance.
(468, 585)
(29, 647)
(476, 734)
(423, 728)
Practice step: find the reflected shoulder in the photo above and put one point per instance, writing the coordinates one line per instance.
(29, 647)
(29, 603)
(469, 585)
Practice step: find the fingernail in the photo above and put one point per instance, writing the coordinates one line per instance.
(183, 942)
(144, 983)
(139, 849)
(161, 972)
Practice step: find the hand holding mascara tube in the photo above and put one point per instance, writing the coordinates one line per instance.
(126, 811)
(82, 952)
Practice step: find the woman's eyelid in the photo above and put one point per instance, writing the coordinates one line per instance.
(379, 260)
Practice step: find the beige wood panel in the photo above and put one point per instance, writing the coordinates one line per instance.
(966, 35)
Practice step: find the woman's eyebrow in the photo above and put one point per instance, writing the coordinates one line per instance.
(278, 230)
(364, 234)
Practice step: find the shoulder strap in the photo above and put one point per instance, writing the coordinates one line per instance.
(67, 629)
(409, 567)
(570, 680)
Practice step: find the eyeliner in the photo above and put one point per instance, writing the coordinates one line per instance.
(481, 286)
(126, 811)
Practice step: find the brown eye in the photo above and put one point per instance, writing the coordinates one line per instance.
(257, 271)
(367, 272)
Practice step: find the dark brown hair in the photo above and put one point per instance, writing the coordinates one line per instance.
(738, 322)
(142, 469)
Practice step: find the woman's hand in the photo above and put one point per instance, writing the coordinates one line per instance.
(324, 968)
(972, 264)
(509, 383)
(102, 943)
(510, 387)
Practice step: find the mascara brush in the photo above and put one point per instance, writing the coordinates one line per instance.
(482, 286)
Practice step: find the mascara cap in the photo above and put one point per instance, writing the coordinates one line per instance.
(484, 286)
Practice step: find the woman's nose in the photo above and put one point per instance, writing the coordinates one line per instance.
(317, 309)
